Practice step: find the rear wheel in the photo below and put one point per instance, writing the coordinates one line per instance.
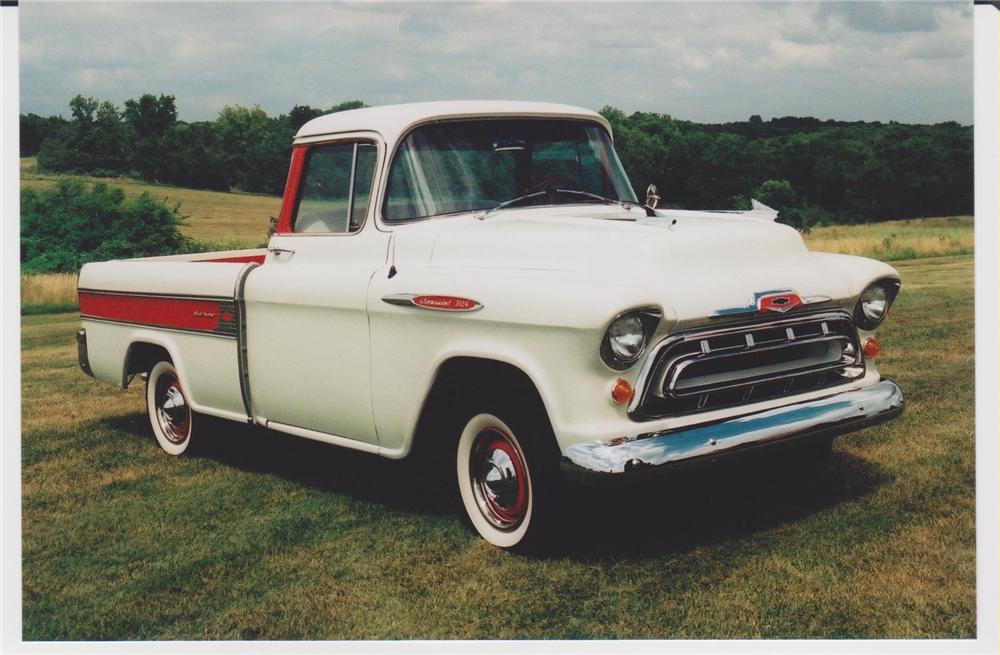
(506, 475)
(169, 409)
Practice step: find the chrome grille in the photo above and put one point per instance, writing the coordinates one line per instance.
(712, 368)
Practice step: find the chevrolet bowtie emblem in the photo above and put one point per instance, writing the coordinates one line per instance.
(779, 300)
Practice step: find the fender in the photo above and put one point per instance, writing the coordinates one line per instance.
(153, 338)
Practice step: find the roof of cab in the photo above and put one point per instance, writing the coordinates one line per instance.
(391, 121)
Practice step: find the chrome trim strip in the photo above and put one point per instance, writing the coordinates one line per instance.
(671, 385)
(153, 294)
(242, 362)
(401, 299)
(830, 416)
(642, 382)
(205, 333)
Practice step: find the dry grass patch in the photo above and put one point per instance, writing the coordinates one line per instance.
(47, 292)
(896, 240)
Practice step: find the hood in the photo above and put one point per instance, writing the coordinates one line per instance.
(701, 261)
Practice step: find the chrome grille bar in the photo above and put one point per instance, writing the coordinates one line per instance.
(705, 369)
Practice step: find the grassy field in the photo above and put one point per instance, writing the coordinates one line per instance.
(48, 293)
(895, 240)
(266, 536)
(239, 220)
(242, 219)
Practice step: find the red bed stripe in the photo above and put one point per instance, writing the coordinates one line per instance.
(237, 259)
(181, 313)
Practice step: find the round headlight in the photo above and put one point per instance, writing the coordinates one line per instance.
(627, 337)
(874, 303)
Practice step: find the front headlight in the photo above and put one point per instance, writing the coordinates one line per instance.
(627, 336)
(874, 303)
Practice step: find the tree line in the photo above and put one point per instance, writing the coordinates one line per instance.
(243, 148)
(813, 171)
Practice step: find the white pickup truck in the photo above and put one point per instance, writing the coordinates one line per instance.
(479, 280)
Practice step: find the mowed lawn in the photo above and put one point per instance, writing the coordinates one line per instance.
(264, 536)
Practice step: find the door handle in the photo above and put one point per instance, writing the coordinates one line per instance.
(278, 251)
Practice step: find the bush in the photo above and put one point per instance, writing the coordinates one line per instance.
(64, 227)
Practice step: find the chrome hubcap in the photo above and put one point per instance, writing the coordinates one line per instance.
(172, 409)
(499, 481)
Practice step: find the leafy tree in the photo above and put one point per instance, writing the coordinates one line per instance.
(843, 171)
(256, 148)
(302, 114)
(777, 194)
(82, 109)
(68, 225)
(35, 129)
(344, 106)
(148, 120)
(191, 156)
(94, 141)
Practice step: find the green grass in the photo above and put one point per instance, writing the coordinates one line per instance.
(270, 537)
(228, 220)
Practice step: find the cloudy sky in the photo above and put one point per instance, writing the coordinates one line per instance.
(705, 62)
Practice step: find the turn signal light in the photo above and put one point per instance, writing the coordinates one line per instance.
(622, 392)
(871, 349)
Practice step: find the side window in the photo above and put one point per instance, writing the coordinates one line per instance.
(364, 172)
(336, 186)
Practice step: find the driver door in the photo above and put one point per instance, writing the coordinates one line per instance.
(307, 324)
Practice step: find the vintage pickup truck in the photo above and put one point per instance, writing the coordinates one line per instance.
(477, 280)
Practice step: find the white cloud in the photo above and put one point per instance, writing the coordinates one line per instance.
(710, 62)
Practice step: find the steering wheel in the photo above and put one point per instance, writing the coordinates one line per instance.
(549, 181)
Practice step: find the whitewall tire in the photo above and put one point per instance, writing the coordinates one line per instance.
(169, 409)
(494, 480)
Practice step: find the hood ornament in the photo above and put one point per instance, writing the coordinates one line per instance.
(779, 300)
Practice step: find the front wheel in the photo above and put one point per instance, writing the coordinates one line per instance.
(504, 480)
(169, 409)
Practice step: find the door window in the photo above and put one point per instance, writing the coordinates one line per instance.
(336, 188)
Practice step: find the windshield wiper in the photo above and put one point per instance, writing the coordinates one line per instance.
(512, 201)
(571, 192)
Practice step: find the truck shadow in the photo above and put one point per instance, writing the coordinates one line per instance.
(728, 499)
(690, 508)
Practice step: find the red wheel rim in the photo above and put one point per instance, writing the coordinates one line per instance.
(172, 410)
(499, 478)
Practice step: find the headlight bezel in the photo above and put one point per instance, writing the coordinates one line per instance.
(889, 288)
(649, 319)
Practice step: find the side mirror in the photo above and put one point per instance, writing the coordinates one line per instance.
(652, 198)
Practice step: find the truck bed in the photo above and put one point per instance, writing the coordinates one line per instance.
(194, 313)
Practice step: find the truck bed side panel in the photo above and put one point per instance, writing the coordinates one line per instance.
(207, 365)
(190, 311)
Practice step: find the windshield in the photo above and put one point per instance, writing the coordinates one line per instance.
(459, 166)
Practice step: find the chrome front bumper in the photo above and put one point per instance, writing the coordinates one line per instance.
(838, 414)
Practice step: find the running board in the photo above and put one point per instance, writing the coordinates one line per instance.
(344, 442)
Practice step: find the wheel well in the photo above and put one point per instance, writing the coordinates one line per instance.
(141, 357)
(463, 376)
